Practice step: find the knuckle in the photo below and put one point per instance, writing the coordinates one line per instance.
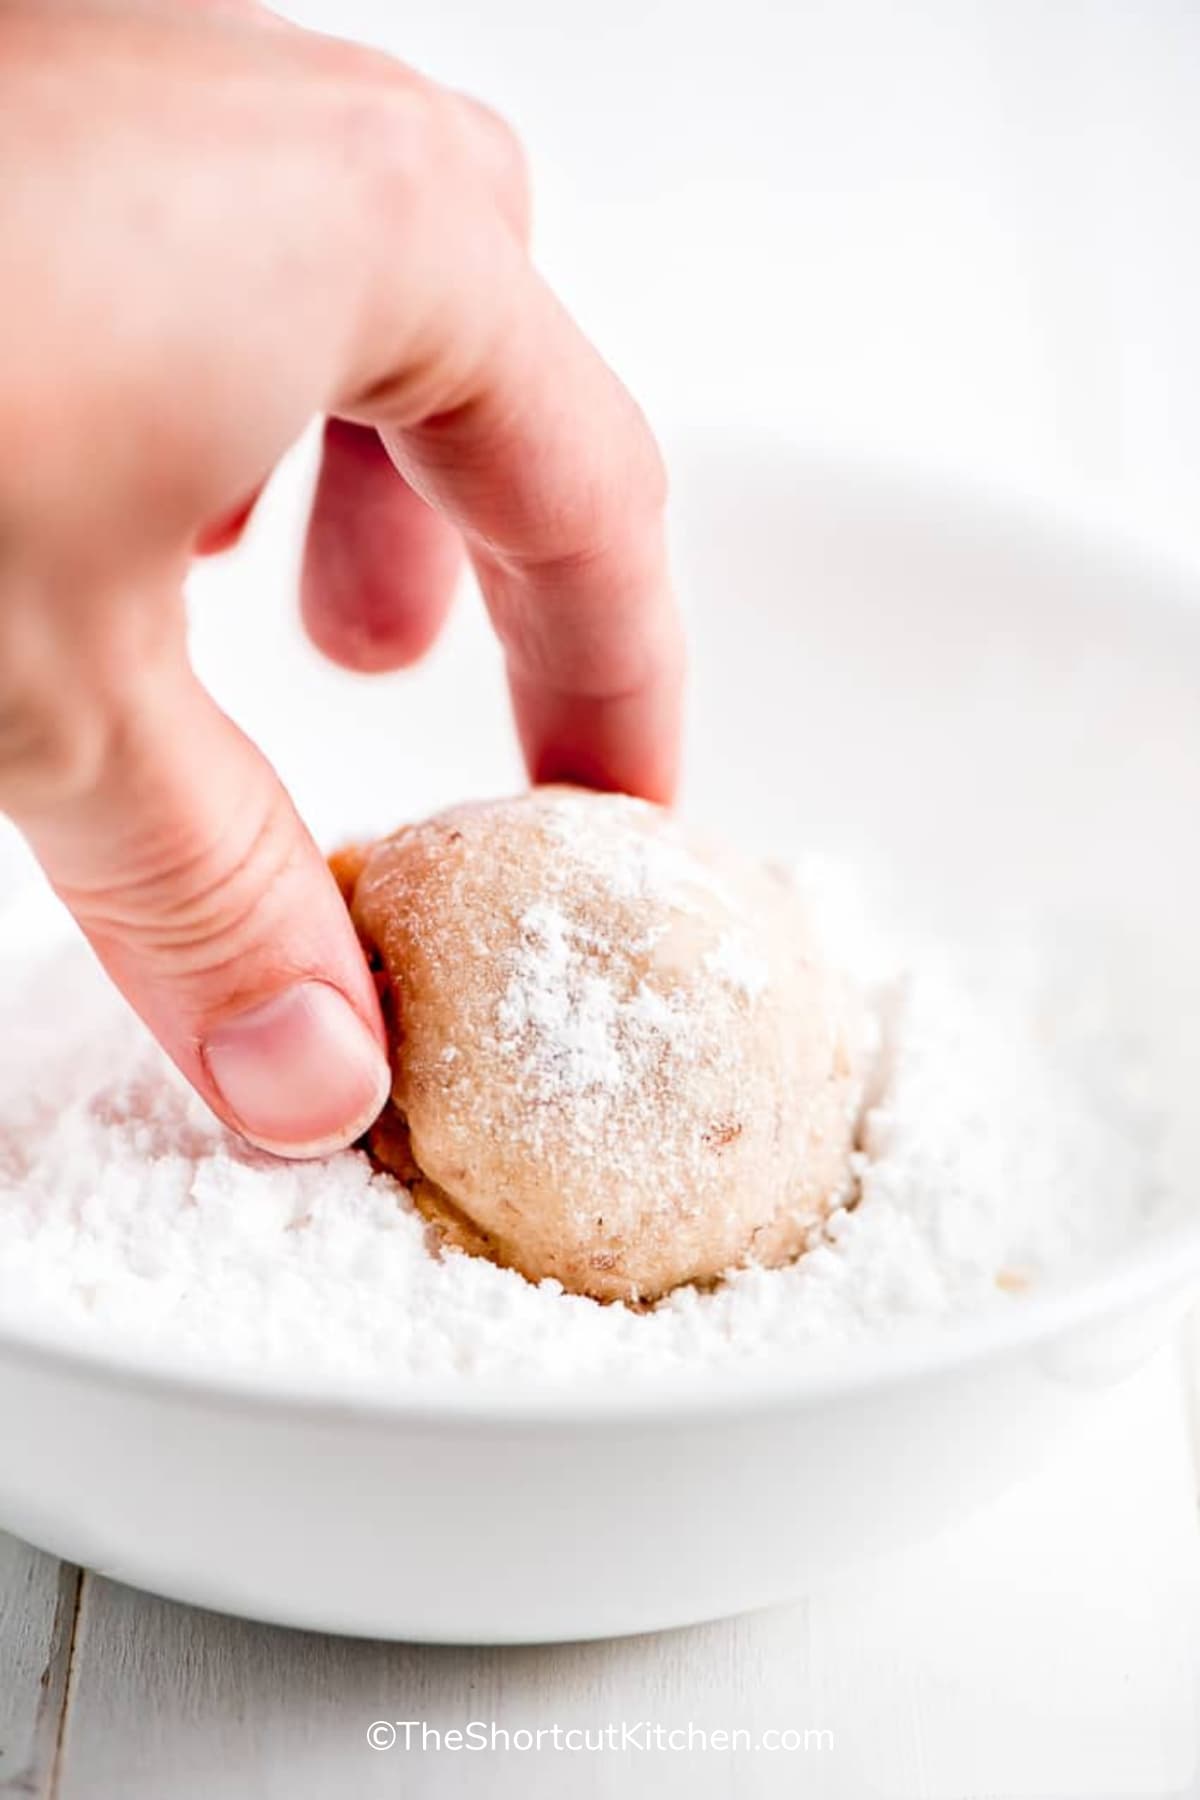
(600, 527)
(410, 139)
(193, 910)
(503, 158)
(391, 128)
(352, 65)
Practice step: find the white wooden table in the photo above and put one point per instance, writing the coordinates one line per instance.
(1050, 1648)
(963, 234)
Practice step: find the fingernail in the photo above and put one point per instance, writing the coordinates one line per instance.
(301, 1073)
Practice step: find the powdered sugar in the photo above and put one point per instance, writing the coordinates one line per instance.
(573, 1033)
(629, 865)
(735, 961)
(993, 1159)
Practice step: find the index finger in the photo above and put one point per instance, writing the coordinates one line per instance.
(549, 470)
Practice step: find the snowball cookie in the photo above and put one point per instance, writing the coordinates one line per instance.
(619, 1060)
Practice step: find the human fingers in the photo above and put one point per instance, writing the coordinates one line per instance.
(184, 862)
(369, 272)
(550, 472)
(379, 564)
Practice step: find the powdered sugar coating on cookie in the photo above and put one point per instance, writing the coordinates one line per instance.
(621, 1060)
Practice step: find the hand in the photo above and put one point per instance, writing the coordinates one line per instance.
(212, 227)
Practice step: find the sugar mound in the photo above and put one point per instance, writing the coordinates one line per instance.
(995, 1157)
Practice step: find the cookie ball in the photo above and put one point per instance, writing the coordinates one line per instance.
(620, 1061)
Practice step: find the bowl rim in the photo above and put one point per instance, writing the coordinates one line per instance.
(1165, 1268)
(1165, 1265)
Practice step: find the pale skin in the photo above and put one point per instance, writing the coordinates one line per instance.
(214, 227)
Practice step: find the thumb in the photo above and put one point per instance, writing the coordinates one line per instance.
(208, 903)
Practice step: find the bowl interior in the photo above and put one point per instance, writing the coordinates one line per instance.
(1001, 710)
(996, 707)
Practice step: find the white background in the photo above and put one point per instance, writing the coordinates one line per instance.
(961, 233)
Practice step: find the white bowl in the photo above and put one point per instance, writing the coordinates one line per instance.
(1009, 710)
